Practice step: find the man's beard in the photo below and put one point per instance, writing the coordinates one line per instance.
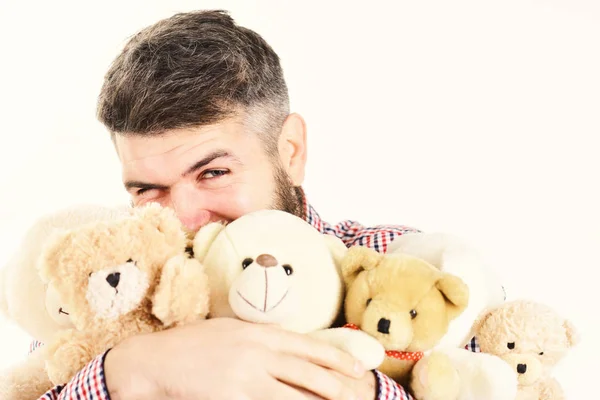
(287, 197)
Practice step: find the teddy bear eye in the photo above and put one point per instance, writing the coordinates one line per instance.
(541, 353)
(247, 262)
(129, 261)
(288, 269)
(511, 345)
(369, 301)
(413, 314)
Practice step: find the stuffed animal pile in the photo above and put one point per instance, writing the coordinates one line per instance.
(87, 278)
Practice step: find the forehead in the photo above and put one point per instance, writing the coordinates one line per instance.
(173, 152)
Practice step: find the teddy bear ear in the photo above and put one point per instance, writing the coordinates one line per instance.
(49, 261)
(337, 249)
(357, 260)
(205, 237)
(573, 336)
(481, 318)
(456, 292)
(164, 219)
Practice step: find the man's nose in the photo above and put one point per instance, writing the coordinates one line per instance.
(189, 210)
(193, 220)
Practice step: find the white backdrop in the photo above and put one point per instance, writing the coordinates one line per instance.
(472, 117)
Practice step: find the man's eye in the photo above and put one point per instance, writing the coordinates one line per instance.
(213, 173)
(141, 192)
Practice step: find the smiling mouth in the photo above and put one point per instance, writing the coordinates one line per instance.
(263, 310)
(60, 311)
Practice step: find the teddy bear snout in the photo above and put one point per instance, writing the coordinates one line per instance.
(527, 367)
(383, 326)
(113, 279)
(393, 329)
(267, 261)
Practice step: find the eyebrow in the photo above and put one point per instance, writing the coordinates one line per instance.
(195, 167)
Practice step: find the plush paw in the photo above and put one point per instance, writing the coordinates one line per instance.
(550, 389)
(435, 378)
(25, 380)
(357, 343)
(67, 360)
(182, 294)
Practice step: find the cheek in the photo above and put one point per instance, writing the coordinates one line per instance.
(356, 301)
(234, 201)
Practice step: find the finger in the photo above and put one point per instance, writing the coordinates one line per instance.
(278, 390)
(316, 351)
(306, 375)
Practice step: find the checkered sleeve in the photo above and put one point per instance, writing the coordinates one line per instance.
(388, 389)
(473, 346)
(377, 237)
(88, 384)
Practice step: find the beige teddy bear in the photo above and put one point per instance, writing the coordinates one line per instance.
(402, 301)
(532, 338)
(33, 306)
(117, 279)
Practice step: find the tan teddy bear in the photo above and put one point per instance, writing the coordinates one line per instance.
(532, 338)
(403, 301)
(33, 306)
(117, 279)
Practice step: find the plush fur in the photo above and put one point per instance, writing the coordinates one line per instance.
(460, 374)
(449, 371)
(455, 256)
(118, 279)
(402, 301)
(34, 306)
(274, 268)
(532, 339)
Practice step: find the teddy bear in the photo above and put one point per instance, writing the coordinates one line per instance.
(404, 302)
(119, 278)
(456, 256)
(532, 338)
(271, 267)
(449, 371)
(32, 305)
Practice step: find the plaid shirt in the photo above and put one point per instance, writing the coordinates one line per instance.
(90, 384)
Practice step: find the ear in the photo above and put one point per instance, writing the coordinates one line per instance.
(292, 148)
(48, 263)
(164, 219)
(337, 248)
(482, 318)
(456, 292)
(573, 337)
(205, 237)
(357, 260)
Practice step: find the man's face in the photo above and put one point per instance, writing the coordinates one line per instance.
(213, 173)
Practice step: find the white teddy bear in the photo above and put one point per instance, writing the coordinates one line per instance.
(272, 267)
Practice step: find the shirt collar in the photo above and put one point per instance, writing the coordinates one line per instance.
(311, 216)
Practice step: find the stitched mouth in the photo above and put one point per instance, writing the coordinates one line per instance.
(61, 311)
(263, 310)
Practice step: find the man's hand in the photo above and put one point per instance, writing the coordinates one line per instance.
(364, 388)
(231, 359)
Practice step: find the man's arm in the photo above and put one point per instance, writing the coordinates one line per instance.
(88, 384)
(388, 389)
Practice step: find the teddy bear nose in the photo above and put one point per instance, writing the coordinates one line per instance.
(113, 279)
(521, 368)
(266, 260)
(383, 326)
